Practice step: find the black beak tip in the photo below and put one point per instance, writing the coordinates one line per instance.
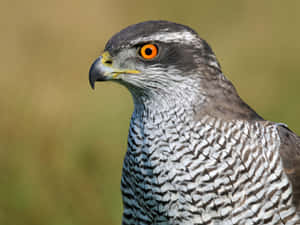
(94, 73)
(91, 80)
(92, 85)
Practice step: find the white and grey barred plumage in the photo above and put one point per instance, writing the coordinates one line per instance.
(197, 154)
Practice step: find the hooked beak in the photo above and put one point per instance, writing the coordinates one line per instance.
(102, 70)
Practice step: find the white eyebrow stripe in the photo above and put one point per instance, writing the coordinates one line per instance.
(183, 37)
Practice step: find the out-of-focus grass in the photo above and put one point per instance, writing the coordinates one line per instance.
(62, 145)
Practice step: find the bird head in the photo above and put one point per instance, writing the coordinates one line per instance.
(154, 57)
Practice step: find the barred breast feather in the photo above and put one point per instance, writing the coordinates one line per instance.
(211, 171)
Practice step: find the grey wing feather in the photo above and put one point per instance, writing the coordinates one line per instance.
(290, 155)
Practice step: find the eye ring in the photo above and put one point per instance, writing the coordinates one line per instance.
(148, 51)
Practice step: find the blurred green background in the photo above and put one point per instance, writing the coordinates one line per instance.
(62, 144)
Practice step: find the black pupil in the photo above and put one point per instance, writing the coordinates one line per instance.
(148, 51)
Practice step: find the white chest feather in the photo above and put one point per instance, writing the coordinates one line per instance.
(205, 172)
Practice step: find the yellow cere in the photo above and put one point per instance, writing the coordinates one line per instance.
(116, 72)
(106, 57)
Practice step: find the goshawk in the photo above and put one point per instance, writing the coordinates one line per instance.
(197, 153)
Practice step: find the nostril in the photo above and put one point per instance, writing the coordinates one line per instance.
(108, 62)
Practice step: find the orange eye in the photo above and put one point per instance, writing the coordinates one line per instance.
(148, 51)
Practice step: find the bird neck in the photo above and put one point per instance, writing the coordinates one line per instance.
(168, 102)
(162, 110)
(197, 97)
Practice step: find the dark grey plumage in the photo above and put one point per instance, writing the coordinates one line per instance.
(290, 156)
(197, 153)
